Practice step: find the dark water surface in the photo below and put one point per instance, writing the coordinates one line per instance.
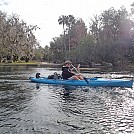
(30, 108)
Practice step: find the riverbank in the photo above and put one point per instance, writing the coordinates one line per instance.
(83, 69)
(39, 64)
(45, 64)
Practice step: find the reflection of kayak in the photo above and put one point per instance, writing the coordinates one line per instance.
(95, 82)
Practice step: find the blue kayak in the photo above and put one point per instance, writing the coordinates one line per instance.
(91, 82)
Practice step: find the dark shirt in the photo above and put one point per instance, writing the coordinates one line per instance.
(66, 72)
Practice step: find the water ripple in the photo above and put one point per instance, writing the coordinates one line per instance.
(27, 107)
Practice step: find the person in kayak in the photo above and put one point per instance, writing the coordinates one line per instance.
(67, 72)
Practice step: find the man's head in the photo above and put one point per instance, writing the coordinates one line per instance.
(67, 62)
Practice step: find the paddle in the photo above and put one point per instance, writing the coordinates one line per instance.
(78, 71)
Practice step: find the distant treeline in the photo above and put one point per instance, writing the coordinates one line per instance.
(108, 38)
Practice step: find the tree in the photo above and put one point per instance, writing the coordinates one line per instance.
(16, 37)
(63, 21)
(112, 32)
(70, 23)
(2, 25)
(39, 53)
(47, 54)
(85, 50)
(56, 49)
(78, 32)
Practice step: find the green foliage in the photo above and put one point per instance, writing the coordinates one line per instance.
(85, 50)
(39, 53)
(112, 31)
(16, 37)
(110, 38)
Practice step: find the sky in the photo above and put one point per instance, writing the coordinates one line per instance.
(45, 13)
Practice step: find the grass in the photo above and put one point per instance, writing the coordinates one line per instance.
(21, 63)
(30, 63)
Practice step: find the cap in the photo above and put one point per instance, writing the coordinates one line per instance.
(67, 61)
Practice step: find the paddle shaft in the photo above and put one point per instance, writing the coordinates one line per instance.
(76, 68)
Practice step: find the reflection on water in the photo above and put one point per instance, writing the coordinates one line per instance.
(30, 108)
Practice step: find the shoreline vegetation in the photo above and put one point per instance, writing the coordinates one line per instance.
(56, 65)
(106, 44)
(41, 64)
(46, 64)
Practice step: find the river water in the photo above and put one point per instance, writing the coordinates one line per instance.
(30, 108)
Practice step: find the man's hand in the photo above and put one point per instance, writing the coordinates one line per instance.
(78, 68)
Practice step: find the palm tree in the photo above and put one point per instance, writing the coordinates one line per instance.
(63, 21)
(70, 23)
